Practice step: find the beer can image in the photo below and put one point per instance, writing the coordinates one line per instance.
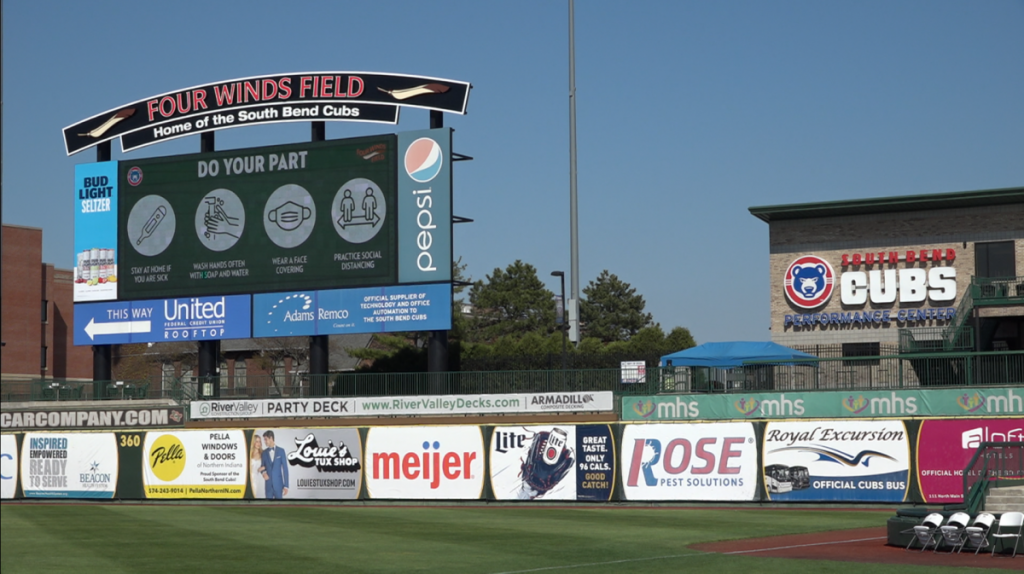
(94, 263)
(80, 270)
(554, 446)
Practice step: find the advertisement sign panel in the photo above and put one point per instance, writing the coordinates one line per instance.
(712, 461)
(847, 461)
(96, 272)
(291, 464)
(8, 466)
(425, 206)
(632, 372)
(93, 418)
(409, 405)
(163, 320)
(345, 311)
(316, 214)
(552, 462)
(826, 405)
(195, 464)
(945, 447)
(69, 465)
(442, 462)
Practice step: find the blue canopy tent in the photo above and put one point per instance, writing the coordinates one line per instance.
(732, 354)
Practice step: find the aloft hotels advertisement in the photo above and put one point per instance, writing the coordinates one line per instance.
(844, 461)
(8, 466)
(69, 465)
(945, 447)
(552, 462)
(290, 464)
(425, 462)
(712, 461)
(195, 464)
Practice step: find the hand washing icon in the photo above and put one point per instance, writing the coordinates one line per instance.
(289, 215)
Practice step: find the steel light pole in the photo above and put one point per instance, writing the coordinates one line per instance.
(560, 319)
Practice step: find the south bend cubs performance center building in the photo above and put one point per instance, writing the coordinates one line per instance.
(855, 273)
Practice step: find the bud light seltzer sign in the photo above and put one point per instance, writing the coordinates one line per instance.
(95, 261)
(559, 462)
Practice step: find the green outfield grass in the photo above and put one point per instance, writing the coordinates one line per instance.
(251, 539)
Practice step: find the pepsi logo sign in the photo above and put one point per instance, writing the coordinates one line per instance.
(423, 160)
(809, 282)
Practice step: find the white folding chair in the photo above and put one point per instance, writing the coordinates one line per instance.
(977, 533)
(1010, 526)
(952, 532)
(925, 532)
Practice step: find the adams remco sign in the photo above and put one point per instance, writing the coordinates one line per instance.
(93, 418)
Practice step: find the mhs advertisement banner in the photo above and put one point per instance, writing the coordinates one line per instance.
(843, 461)
(407, 406)
(552, 462)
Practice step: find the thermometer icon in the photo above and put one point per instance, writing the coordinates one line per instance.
(154, 221)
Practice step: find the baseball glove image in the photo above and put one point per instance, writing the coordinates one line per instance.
(547, 462)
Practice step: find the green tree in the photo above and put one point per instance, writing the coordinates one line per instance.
(612, 309)
(513, 301)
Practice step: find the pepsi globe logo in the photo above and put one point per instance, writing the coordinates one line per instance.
(423, 160)
(809, 282)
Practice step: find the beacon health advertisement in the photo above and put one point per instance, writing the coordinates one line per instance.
(946, 446)
(712, 461)
(552, 462)
(296, 464)
(69, 465)
(8, 466)
(842, 461)
(425, 462)
(195, 464)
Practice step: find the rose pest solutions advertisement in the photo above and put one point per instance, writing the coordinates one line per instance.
(855, 461)
(425, 462)
(696, 461)
(194, 464)
(945, 447)
(69, 465)
(288, 463)
(564, 462)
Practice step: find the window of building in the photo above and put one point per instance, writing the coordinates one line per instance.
(42, 359)
(862, 350)
(240, 373)
(994, 259)
(46, 315)
(167, 375)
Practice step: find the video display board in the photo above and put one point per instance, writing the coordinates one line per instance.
(319, 214)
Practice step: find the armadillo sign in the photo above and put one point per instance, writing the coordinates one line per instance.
(296, 97)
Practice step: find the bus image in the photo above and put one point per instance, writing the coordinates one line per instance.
(800, 477)
(777, 479)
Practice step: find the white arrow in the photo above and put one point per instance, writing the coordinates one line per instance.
(115, 328)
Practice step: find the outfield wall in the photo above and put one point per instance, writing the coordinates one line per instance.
(826, 460)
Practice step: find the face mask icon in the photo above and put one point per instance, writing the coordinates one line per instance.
(289, 215)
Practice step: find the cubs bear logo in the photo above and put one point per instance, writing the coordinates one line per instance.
(809, 282)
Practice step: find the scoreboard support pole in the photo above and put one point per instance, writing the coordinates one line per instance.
(102, 364)
(319, 345)
(209, 351)
(437, 344)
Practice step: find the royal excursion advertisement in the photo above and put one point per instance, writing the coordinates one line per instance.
(286, 464)
(945, 447)
(842, 461)
(425, 462)
(195, 464)
(709, 461)
(69, 465)
(8, 466)
(552, 462)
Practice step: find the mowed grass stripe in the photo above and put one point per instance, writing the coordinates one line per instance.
(256, 538)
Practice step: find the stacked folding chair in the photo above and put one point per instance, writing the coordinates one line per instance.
(925, 532)
(953, 532)
(976, 535)
(1010, 526)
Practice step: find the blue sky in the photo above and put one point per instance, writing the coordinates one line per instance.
(688, 113)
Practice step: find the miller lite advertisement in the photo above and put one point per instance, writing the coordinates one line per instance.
(560, 462)
(425, 462)
(695, 461)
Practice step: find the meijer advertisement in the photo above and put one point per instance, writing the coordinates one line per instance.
(849, 461)
(711, 461)
(69, 465)
(425, 462)
(8, 466)
(194, 464)
(321, 463)
(552, 462)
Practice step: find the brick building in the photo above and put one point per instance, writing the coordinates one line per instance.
(898, 274)
(37, 313)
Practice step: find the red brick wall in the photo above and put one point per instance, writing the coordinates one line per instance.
(23, 283)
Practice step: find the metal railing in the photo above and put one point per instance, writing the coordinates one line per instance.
(993, 464)
(28, 390)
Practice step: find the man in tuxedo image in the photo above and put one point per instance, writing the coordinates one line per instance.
(275, 468)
